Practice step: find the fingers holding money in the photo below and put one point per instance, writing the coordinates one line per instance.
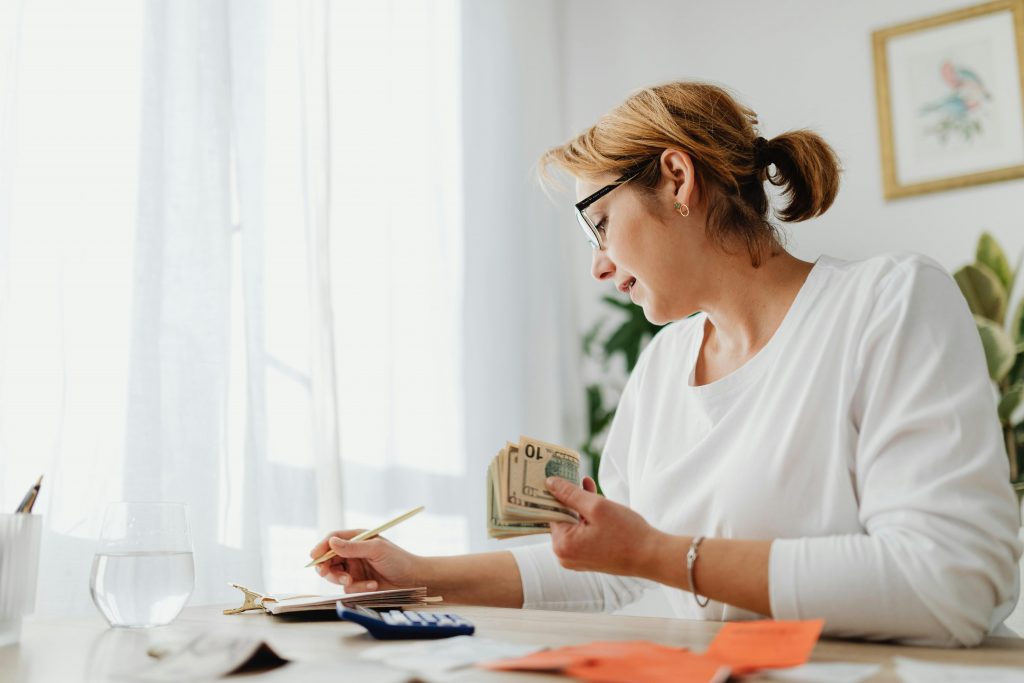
(581, 500)
(518, 502)
(607, 536)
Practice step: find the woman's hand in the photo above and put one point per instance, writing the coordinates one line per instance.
(375, 564)
(609, 537)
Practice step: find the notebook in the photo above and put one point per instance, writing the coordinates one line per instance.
(395, 598)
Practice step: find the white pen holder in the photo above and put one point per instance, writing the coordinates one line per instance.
(19, 570)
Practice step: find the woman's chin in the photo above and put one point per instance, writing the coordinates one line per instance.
(654, 316)
(658, 316)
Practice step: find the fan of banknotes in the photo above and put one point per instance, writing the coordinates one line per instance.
(518, 502)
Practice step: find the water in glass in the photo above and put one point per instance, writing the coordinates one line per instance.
(142, 589)
(143, 572)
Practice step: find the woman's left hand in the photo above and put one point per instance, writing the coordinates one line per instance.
(609, 537)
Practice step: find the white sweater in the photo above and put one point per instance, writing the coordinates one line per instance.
(863, 438)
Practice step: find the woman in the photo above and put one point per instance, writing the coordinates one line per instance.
(819, 441)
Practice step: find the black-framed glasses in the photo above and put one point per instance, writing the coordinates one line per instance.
(591, 231)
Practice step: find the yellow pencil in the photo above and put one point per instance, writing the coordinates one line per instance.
(370, 533)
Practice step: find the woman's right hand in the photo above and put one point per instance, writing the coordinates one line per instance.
(375, 564)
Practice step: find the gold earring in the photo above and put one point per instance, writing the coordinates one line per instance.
(680, 207)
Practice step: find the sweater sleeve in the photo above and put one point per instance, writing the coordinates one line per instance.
(936, 563)
(548, 585)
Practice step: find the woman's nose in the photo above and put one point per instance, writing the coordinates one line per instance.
(601, 267)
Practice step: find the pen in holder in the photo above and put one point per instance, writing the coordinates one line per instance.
(19, 570)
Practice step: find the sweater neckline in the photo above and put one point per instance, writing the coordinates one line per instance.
(744, 375)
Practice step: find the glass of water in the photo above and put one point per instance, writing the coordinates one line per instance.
(143, 573)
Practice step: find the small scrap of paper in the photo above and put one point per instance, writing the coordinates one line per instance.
(824, 672)
(209, 656)
(918, 671)
(444, 655)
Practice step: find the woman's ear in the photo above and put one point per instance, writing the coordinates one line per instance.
(677, 174)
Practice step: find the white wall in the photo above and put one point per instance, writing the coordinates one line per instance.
(797, 63)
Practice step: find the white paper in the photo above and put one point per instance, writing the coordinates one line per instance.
(445, 654)
(824, 672)
(917, 671)
(333, 672)
(205, 657)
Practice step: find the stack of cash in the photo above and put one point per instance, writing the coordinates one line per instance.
(518, 502)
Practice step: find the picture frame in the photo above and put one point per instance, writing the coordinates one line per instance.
(950, 98)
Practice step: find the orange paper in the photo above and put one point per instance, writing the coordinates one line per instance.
(748, 646)
(678, 666)
(570, 655)
(621, 662)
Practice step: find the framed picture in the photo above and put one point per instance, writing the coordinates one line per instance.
(951, 99)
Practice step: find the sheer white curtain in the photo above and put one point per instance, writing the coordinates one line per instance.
(69, 189)
(282, 261)
(200, 417)
(397, 273)
(157, 302)
(451, 272)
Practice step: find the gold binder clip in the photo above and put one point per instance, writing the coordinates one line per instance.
(253, 600)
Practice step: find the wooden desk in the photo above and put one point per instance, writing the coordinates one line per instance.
(84, 649)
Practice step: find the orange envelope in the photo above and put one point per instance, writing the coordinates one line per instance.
(562, 657)
(751, 645)
(546, 660)
(621, 662)
(679, 666)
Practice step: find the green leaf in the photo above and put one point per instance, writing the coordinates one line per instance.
(1015, 273)
(624, 340)
(984, 292)
(1000, 351)
(598, 417)
(1009, 402)
(618, 303)
(631, 336)
(993, 256)
(1016, 373)
(590, 336)
(1017, 323)
(1017, 332)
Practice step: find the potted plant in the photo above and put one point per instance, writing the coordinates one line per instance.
(987, 284)
(603, 344)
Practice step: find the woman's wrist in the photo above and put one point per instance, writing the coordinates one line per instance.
(663, 559)
(482, 579)
(431, 574)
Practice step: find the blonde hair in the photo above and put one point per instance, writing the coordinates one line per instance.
(731, 164)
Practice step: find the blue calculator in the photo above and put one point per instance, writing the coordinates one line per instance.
(396, 624)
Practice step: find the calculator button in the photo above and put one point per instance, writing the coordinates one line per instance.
(428, 617)
(414, 617)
